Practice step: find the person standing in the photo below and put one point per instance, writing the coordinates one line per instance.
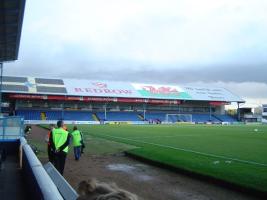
(27, 130)
(50, 151)
(77, 142)
(60, 144)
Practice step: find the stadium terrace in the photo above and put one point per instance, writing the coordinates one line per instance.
(87, 101)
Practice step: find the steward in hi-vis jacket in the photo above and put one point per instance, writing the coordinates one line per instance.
(59, 141)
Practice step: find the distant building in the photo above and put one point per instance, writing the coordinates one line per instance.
(249, 113)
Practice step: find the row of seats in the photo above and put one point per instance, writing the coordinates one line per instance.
(198, 118)
(55, 115)
(29, 114)
(120, 116)
(201, 118)
(225, 118)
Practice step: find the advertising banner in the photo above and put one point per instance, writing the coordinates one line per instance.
(99, 88)
(87, 90)
(161, 91)
(211, 94)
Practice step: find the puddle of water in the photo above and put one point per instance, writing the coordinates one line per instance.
(135, 171)
(121, 167)
(141, 165)
(145, 178)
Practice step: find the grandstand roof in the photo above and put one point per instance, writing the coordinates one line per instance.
(92, 88)
(11, 18)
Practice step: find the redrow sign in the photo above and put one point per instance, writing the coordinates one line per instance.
(102, 91)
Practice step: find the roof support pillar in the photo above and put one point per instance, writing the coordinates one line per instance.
(105, 111)
(210, 113)
(238, 111)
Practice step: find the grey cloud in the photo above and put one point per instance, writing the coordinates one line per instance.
(245, 81)
(147, 74)
(126, 71)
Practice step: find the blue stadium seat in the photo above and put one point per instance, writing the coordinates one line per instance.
(56, 115)
(160, 116)
(202, 118)
(226, 118)
(29, 114)
(80, 115)
(53, 115)
(119, 116)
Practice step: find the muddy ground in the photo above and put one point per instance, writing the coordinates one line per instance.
(148, 182)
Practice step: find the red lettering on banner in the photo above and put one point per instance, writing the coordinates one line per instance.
(78, 90)
(98, 91)
(101, 91)
(160, 90)
(106, 91)
(87, 90)
(100, 85)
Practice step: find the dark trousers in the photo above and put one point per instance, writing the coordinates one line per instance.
(50, 154)
(59, 161)
(77, 152)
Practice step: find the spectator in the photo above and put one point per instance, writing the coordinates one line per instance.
(27, 130)
(60, 144)
(77, 142)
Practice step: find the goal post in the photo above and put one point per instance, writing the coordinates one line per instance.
(173, 118)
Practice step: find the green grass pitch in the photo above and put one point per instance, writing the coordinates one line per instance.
(237, 154)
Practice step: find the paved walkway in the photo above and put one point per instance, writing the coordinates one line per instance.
(11, 181)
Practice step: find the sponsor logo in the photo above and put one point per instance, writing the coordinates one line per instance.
(161, 90)
(102, 91)
(102, 88)
(100, 85)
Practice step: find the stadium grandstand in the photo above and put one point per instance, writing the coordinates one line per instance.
(44, 100)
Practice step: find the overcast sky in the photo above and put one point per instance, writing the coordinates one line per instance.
(222, 42)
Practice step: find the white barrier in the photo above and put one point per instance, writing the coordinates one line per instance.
(55, 121)
(126, 122)
(37, 174)
(65, 189)
(45, 181)
(83, 122)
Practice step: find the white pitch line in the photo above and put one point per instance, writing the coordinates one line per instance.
(191, 151)
(165, 136)
(169, 136)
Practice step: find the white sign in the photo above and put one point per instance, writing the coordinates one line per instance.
(90, 88)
